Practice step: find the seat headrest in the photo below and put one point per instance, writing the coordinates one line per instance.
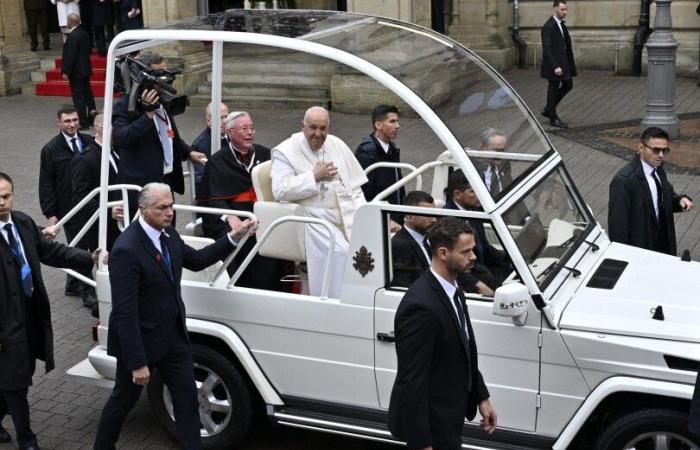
(262, 183)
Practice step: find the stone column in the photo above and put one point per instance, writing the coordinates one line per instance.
(661, 74)
(16, 61)
(482, 25)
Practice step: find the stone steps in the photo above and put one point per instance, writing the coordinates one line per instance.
(245, 102)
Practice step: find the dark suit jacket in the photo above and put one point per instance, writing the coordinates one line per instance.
(76, 54)
(438, 382)
(103, 13)
(631, 216)
(491, 263)
(85, 170)
(369, 152)
(55, 191)
(137, 141)
(408, 260)
(202, 143)
(556, 52)
(25, 325)
(147, 308)
(36, 4)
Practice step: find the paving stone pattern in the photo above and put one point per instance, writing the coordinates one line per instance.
(65, 414)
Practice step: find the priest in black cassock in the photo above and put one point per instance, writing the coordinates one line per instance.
(227, 184)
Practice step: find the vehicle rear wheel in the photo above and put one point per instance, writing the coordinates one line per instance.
(653, 429)
(224, 400)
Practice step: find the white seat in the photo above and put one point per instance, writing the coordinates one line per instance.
(287, 240)
(207, 274)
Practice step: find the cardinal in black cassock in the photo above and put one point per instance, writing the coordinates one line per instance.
(227, 184)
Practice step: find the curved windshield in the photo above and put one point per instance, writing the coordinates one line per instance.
(468, 96)
(547, 224)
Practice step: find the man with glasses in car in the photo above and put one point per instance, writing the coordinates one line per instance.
(642, 200)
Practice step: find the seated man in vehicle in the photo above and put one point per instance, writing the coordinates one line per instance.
(492, 265)
(227, 184)
(410, 249)
(496, 173)
(318, 171)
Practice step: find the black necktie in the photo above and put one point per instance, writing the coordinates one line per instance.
(659, 194)
(426, 246)
(495, 187)
(26, 271)
(166, 254)
(74, 146)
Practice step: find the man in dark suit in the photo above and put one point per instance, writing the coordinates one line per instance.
(25, 316)
(202, 143)
(103, 20)
(148, 142)
(410, 250)
(85, 170)
(438, 382)
(495, 172)
(558, 64)
(642, 201)
(492, 265)
(37, 13)
(147, 324)
(77, 68)
(55, 185)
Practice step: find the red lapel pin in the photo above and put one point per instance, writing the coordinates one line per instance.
(157, 256)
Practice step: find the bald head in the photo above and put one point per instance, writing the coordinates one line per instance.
(73, 20)
(315, 126)
(223, 112)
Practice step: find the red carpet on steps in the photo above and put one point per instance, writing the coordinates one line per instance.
(56, 86)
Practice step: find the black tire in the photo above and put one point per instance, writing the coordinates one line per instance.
(640, 430)
(227, 429)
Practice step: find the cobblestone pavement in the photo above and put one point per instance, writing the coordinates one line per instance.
(65, 414)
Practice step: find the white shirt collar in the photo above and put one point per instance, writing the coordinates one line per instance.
(3, 223)
(648, 168)
(448, 287)
(384, 145)
(152, 233)
(68, 139)
(415, 235)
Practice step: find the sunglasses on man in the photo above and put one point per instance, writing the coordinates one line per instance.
(657, 150)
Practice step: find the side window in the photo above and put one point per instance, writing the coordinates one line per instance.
(409, 255)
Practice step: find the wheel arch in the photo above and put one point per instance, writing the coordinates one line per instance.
(616, 394)
(224, 339)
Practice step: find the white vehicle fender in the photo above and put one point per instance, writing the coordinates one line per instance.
(611, 386)
(240, 350)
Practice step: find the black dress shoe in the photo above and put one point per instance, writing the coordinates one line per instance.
(558, 123)
(4, 436)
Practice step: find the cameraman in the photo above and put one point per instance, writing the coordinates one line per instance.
(147, 140)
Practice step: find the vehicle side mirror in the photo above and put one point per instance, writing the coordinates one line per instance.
(512, 300)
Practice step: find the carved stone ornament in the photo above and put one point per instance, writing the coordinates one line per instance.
(364, 263)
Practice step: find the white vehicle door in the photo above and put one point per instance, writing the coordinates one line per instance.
(509, 356)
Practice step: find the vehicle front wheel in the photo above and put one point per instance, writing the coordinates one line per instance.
(224, 400)
(654, 429)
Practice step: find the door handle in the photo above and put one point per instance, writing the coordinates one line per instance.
(386, 337)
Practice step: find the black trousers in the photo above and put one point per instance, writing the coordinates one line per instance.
(177, 371)
(556, 90)
(74, 285)
(38, 22)
(83, 100)
(15, 403)
(100, 42)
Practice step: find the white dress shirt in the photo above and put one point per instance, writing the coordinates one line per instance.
(14, 232)
(450, 290)
(419, 238)
(78, 141)
(648, 173)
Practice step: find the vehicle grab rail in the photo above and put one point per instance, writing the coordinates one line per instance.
(394, 165)
(404, 181)
(327, 267)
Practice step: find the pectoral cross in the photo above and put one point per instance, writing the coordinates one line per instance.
(323, 188)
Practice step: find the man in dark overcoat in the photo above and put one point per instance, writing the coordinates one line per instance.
(438, 382)
(103, 21)
(25, 315)
(642, 200)
(37, 13)
(558, 64)
(78, 69)
(55, 181)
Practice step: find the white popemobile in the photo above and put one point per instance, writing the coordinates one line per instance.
(588, 343)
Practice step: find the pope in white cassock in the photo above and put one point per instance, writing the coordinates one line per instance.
(318, 171)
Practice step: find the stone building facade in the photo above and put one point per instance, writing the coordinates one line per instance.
(602, 30)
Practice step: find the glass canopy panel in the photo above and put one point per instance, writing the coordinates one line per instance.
(466, 94)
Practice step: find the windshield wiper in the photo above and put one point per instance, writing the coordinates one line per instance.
(575, 272)
(594, 247)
